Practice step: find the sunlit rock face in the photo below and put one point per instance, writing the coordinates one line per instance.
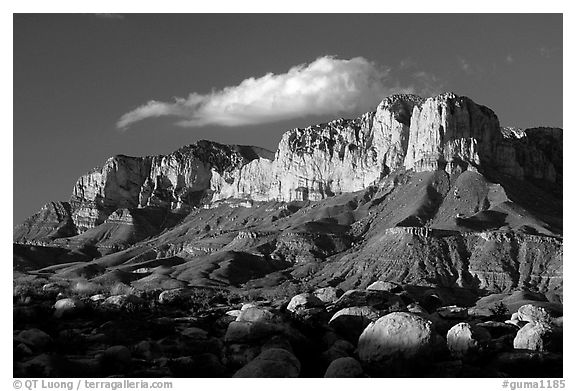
(446, 132)
(320, 161)
(340, 156)
(450, 132)
(177, 182)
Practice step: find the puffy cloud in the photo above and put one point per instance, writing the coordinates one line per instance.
(327, 85)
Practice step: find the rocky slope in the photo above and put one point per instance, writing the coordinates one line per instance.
(421, 191)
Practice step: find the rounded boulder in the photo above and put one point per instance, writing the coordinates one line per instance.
(540, 337)
(304, 301)
(344, 367)
(67, 307)
(466, 341)
(397, 335)
(271, 363)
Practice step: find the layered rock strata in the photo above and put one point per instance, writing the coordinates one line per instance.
(445, 132)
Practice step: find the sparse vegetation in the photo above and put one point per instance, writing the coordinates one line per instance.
(500, 310)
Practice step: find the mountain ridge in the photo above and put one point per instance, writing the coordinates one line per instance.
(434, 174)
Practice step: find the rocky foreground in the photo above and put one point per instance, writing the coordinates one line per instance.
(387, 330)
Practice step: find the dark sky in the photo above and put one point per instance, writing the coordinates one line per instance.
(75, 75)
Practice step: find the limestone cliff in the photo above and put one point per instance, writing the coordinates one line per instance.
(176, 182)
(446, 132)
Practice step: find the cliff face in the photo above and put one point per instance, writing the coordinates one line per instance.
(423, 191)
(175, 182)
(450, 132)
(445, 132)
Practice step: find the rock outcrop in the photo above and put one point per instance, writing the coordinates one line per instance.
(54, 220)
(176, 182)
(445, 132)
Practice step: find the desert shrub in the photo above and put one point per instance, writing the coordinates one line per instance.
(121, 289)
(200, 300)
(499, 310)
(86, 288)
(26, 287)
(283, 292)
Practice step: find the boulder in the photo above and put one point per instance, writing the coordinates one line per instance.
(304, 301)
(254, 314)
(386, 286)
(271, 363)
(398, 335)
(328, 294)
(98, 298)
(540, 337)
(174, 296)
(453, 312)
(68, 307)
(534, 314)
(245, 306)
(35, 339)
(351, 321)
(468, 342)
(344, 367)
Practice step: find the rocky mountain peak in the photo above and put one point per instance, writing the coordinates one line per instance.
(401, 105)
(446, 132)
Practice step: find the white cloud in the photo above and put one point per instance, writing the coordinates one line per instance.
(326, 86)
(509, 59)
